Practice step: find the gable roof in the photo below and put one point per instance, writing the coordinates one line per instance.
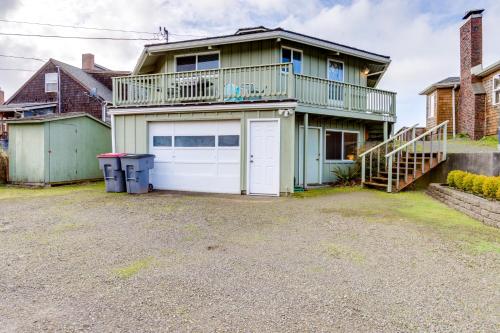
(449, 82)
(482, 72)
(258, 33)
(84, 78)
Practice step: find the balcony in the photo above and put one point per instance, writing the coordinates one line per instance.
(245, 84)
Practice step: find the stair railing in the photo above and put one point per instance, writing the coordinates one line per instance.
(396, 141)
(432, 142)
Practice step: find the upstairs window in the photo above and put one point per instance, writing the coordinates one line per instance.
(197, 62)
(51, 82)
(294, 56)
(335, 70)
(496, 89)
(431, 105)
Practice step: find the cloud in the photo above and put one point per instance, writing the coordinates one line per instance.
(420, 36)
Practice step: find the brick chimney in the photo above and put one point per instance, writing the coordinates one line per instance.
(88, 63)
(471, 110)
(2, 96)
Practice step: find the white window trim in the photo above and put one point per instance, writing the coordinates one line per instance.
(431, 104)
(342, 145)
(291, 58)
(196, 55)
(54, 82)
(328, 66)
(495, 77)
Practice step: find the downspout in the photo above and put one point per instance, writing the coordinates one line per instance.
(113, 141)
(453, 107)
(58, 89)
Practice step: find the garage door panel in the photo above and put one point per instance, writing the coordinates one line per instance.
(207, 168)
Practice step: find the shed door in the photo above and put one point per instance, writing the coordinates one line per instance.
(62, 152)
(199, 156)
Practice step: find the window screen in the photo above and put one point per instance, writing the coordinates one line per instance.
(229, 140)
(333, 145)
(162, 141)
(185, 64)
(195, 141)
(350, 146)
(208, 61)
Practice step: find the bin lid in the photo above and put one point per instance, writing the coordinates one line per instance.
(137, 156)
(110, 155)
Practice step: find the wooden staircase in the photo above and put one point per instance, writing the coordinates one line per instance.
(398, 162)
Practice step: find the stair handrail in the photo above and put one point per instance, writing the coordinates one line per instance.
(390, 155)
(377, 147)
(392, 138)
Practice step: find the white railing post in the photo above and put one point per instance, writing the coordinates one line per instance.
(445, 141)
(389, 175)
(291, 80)
(363, 169)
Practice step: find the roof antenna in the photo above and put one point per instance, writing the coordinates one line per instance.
(164, 33)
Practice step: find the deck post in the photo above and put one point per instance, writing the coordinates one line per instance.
(389, 175)
(386, 130)
(363, 167)
(291, 82)
(304, 150)
(220, 86)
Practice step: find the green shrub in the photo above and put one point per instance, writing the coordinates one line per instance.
(347, 175)
(451, 178)
(498, 193)
(468, 182)
(459, 179)
(490, 187)
(477, 186)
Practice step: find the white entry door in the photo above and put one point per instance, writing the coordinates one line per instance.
(264, 157)
(199, 156)
(313, 158)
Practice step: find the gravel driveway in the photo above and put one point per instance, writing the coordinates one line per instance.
(78, 259)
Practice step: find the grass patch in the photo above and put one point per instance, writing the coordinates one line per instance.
(342, 252)
(326, 191)
(18, 192)
(487, 141)
(134, 268)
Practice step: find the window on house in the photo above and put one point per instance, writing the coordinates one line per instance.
(229, 140)
(50, 82)
(335, 70)
(431, 104)
(341, 146)
(162, 141)
(195, 141)
(496, 89)
(197, 62)
(293, 56)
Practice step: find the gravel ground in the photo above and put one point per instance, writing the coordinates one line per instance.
(77, 259)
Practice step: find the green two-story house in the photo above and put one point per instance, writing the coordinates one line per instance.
(256, 112)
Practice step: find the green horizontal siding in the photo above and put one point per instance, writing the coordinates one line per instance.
(132, 136)
(326, 123)
(269, 52)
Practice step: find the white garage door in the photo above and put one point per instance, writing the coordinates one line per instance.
(199, 156)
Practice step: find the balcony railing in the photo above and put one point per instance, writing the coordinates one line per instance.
(252, 83)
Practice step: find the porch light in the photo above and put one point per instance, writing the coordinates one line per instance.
(366, 71)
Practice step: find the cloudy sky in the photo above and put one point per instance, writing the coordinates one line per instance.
(420, 36)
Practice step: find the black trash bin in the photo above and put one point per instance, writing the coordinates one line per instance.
(136, 167)
(114, 176)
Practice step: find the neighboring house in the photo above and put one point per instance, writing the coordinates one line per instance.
(470, 102)
(61, 88)
(238, 113)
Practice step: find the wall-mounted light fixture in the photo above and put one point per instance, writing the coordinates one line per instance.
(285, 112)
(365, 71)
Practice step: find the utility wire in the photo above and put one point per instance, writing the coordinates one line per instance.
(95, 28)
(75, 37)
(78, 27)
(18, 69)
(18, 57)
